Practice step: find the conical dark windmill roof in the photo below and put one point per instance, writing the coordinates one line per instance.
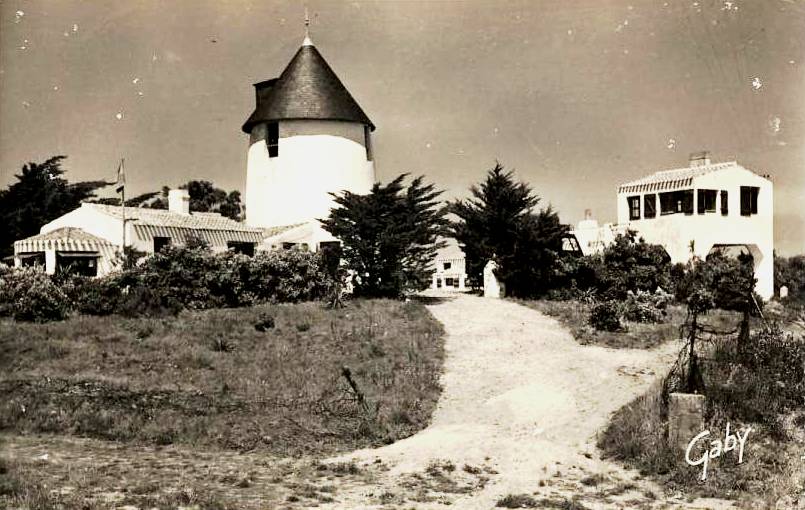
(307, 89)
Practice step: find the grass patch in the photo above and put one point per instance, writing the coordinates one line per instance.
(574, 316)
(210, 378)
(21, 486)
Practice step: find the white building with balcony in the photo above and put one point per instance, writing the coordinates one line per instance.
(705, 206)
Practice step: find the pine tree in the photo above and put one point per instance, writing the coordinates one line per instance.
(389, 237)
(499, 222)
(40, 195)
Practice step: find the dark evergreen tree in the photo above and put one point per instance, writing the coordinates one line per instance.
(389, 237)
(499, 221)
(40, 195)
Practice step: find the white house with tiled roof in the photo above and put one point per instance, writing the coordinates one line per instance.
(95, 232)
(705, 206)
(450, 272)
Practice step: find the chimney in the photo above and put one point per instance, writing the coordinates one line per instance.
(698, 159)
(588, 214)
(179, 201)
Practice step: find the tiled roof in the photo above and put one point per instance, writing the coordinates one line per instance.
(451, 250)
(61, 239)
(164, 218)
(307, 89)
(672, 179)
(273, 231)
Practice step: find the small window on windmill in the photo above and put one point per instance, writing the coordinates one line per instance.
(367, 142)
(273, 139)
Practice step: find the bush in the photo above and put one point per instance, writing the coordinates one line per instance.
(606, 316)
(790, 272)
(94, 296)
(778, 360)
(628, 264)
(144, 301)
(718, 282)
(162, 284)
(195, 278)
(646, 307)
(28, 294)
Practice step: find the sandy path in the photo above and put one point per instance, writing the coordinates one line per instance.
(523, 398)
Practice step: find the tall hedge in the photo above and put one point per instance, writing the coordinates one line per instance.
(190, 277)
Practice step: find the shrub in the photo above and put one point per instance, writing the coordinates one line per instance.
(182, 274)
(195, 278)
(264, 322)
(606, 316)
(143, 301)
(94, 296)
(28, 294)
(287, 276)
(628, 264)
(790, 272)
(778, 360)
(645, 306)
(717, 282)
(162, 284)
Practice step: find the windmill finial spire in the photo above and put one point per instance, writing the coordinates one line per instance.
(307, 41)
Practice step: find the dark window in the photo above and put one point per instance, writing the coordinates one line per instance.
(288, 246)
(724, 203)
(674, 202)
(367, 142)
(160, 243)
(749, 200)
(687, 201)
(634, 208)
(330, 245)
(448, 282)
(83, 264)
(571, 244)
(706, 199)
(447, 265)
(650, 205)
(241, 247)
(273, 139)
(32, 259)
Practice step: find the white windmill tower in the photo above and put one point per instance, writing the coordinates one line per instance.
(308, 138)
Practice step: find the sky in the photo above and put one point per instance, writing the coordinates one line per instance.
(576, 96)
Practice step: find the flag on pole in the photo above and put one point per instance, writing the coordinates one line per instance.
(121, 178)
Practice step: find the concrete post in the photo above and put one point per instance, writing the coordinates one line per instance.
(685, 419)
(461, 283)
(434, 284)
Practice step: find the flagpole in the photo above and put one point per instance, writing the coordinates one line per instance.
(123, 204)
